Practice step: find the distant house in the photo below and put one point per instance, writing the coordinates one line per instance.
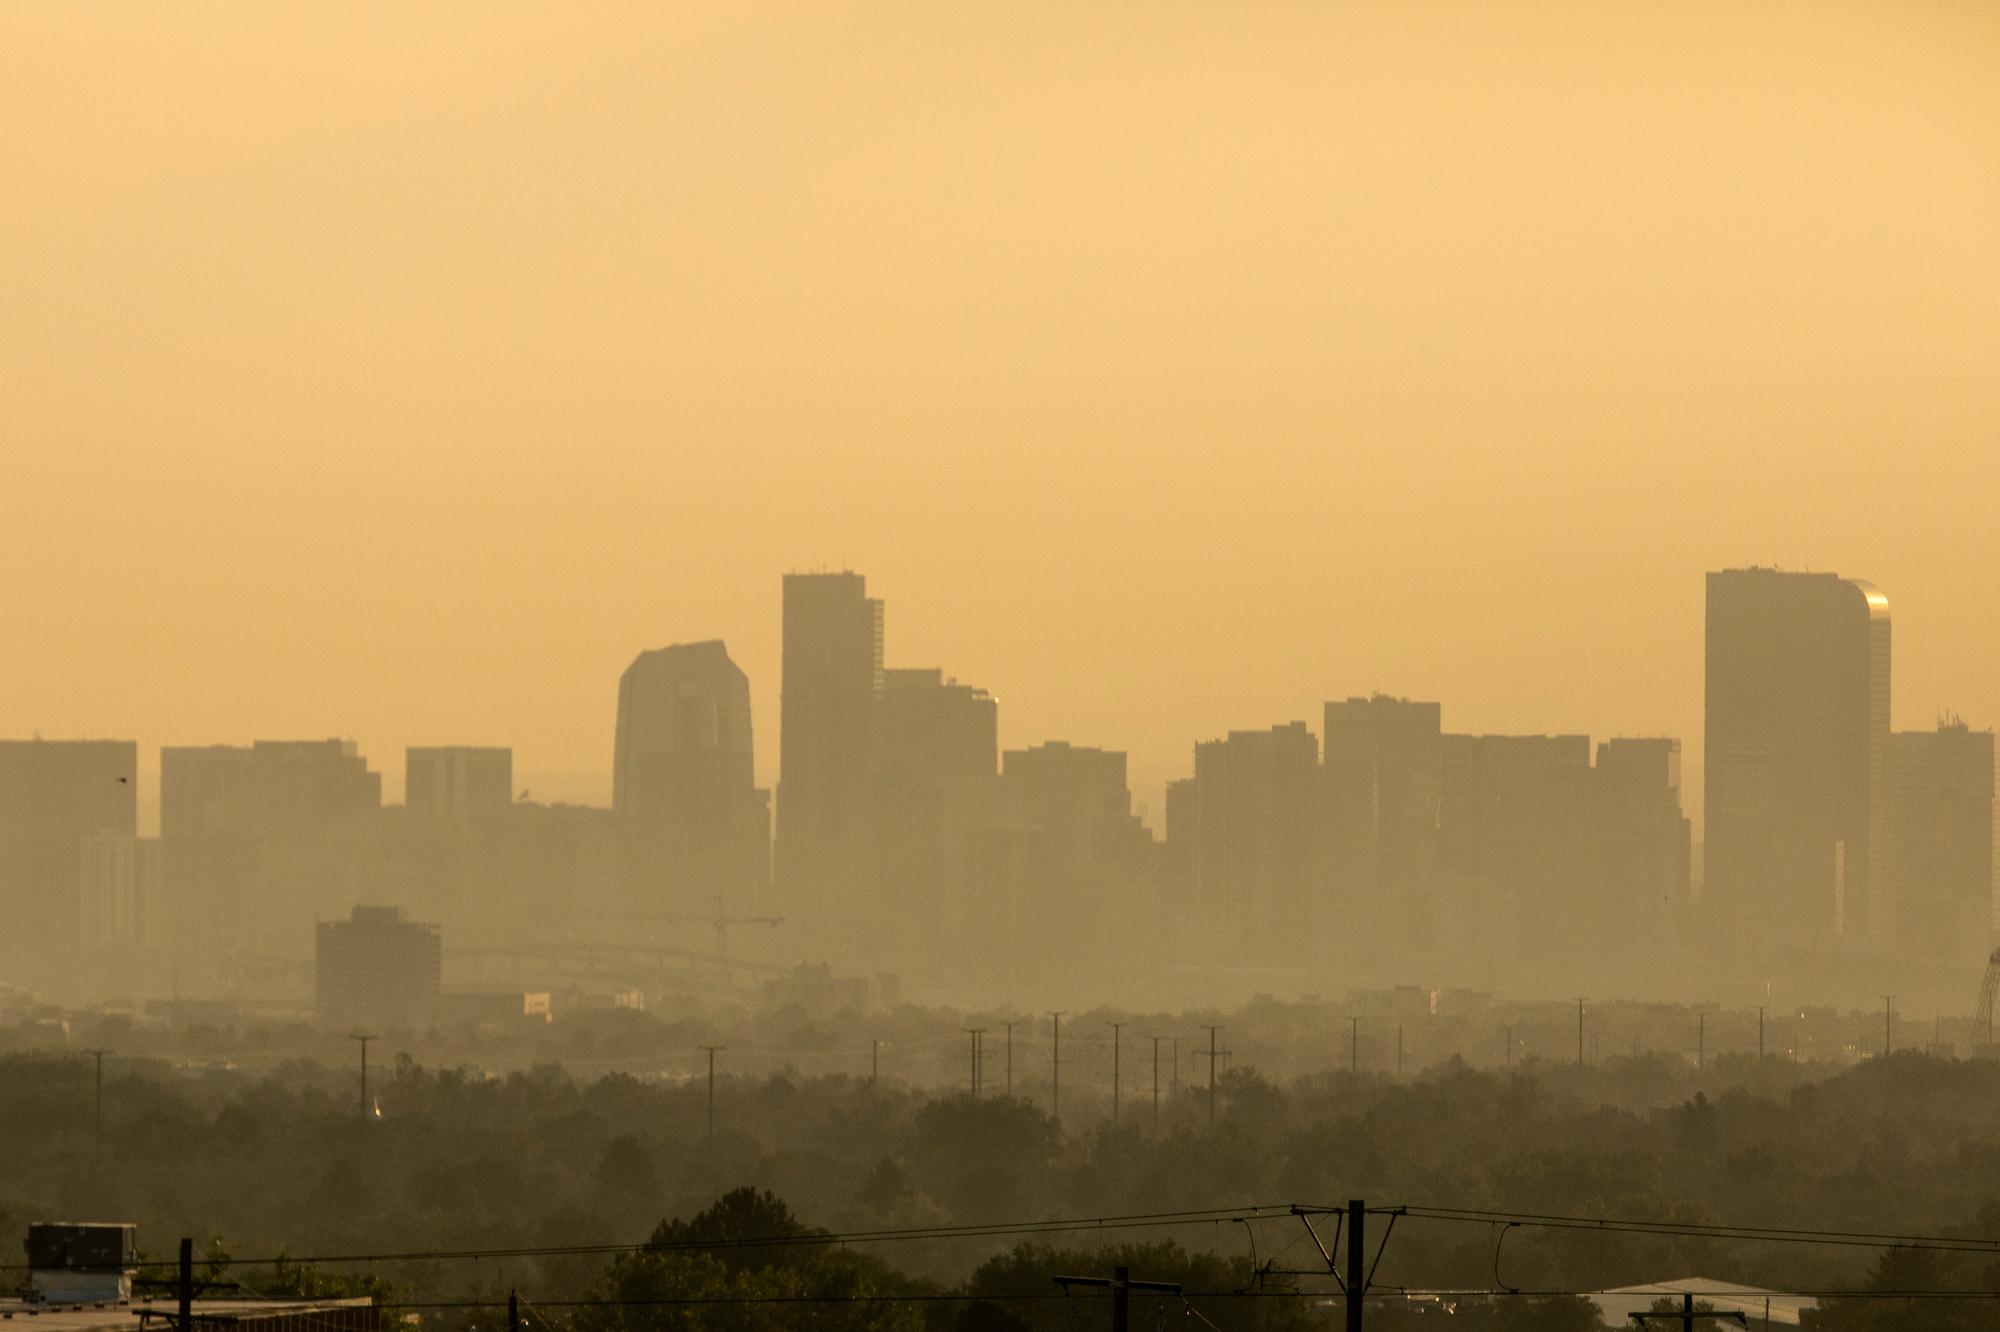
(1761, 1307)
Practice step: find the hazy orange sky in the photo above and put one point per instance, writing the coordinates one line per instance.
(399, 371)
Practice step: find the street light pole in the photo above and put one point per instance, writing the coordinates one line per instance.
(363, 1038)
(1116, 1027)
(711, 1049)
(97, 1130)
(1055, 1067)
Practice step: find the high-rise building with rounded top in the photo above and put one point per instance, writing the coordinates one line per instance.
(692, 825)
(1796, 753)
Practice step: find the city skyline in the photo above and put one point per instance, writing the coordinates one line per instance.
(903, 831)
(593, 783)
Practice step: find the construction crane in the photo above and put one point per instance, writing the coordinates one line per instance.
(721, 920)
(1989, 992)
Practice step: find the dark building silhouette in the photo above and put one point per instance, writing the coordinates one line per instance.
(826, 747)
(376, 972)
(1517, 841)
(1255, 871)
(56, 798)
(469, 784)
(440, 852)
(1181, 838)
(258, 841)
(1644, 843)
(1381, 785)
(937, 752)
(1066, 875)
(559, 877)
(1937, 898)
(1797, 739)
(692, 825)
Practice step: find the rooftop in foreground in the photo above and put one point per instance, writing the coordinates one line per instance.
(328, 1315)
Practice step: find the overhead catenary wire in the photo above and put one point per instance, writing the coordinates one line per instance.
(1705, 1230)
(811, 1239)
(1483, 1216)
(1028, 1297)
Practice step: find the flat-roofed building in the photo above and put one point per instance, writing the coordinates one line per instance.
(376, 971)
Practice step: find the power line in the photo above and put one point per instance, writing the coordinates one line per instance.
(1189, 1217)
(1025, 1297)
(1140, 1220)
(1699, 1230)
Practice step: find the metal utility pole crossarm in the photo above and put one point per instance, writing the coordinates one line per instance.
(1360, 1272)
(1121, 1286)
(1213, 1054)
(978, 1035)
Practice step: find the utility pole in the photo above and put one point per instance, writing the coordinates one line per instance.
(1687, 1317)
(711, 1049)
(1887, 1037)
(363, 1038)
(1010, 1057)
(1357, 1274)
(186, 1286)
(1121, 1286)
(513, 1311)
(1156, 1086)
(97, 1132)
(1211, 1071)
(976, 1033)
(1116, 1027)
(1055, 1067)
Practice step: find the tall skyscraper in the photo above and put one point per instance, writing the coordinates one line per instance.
(1254, 861)
(937, 753)
(257, 841)
(1937, 894)
(1065, 876)
(1643, 845)
(55, 797)
(1515, 823)
(1797, 749)
(692, 825)
(826, 745)
(1380, 787)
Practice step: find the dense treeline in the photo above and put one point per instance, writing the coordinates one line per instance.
(285, 1162)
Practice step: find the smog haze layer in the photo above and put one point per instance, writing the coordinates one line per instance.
(399, 372)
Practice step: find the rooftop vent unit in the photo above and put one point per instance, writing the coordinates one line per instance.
(77, 1262)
